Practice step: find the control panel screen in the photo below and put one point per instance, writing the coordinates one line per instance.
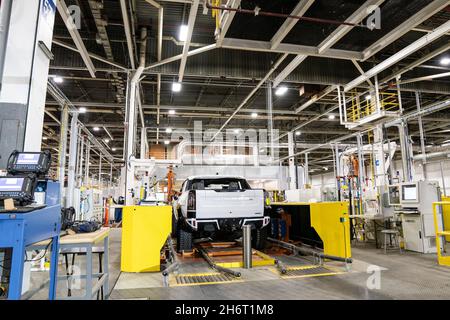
(11, 184)
(409, 193)
(28, 158)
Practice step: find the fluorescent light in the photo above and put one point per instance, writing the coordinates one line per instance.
(325, 168)
(176, 87)
(297, 133)
(107, 140)
(171, 111)
(168, 130)
(182, 35)
(113, 149)
(96, 129)
(58, 79)
(368, 97)
(445, 61)
(166, 142)
(254, 115)
(82, 110)
(331, 117)
(281, 91)
(44, 138)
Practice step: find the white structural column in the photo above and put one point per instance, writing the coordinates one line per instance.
(27, 57)
(292, 164)
(72, 160)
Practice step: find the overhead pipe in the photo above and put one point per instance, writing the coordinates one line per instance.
(258, 12)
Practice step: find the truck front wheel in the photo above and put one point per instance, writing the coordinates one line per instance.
(184, 239)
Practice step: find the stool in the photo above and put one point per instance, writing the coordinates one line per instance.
(392, 234)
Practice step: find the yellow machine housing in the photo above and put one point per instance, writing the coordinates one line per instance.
(144, 231)
(331, 222)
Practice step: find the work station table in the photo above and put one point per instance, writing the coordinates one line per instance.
(84, 244)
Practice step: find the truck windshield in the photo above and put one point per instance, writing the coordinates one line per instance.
(219, 184)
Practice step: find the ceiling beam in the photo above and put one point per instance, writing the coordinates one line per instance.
(225, 21)
(331, 40)
(264, 46)
(191, 23)
(413, 47)
(402, 29)
(76, 37)
(247, 98)
(92, 55)
(299, 10)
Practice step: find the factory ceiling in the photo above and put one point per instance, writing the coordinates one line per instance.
(329, 51)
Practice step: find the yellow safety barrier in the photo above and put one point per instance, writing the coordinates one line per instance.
(442, 260)
(331, 222)
(446, 215)
(144, 231)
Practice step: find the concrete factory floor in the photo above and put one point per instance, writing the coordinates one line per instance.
(402, 276)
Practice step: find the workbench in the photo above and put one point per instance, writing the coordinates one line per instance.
(373, 218)
(85, 243)
(20, 229)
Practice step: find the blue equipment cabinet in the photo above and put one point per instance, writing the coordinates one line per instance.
(19, 230)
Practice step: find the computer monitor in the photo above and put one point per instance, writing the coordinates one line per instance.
(394, 195)
(410, 194)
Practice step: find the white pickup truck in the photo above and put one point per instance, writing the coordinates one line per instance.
(217, 207)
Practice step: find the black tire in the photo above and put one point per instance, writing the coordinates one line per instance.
(184, 240)
(259, 238)
(174, 225)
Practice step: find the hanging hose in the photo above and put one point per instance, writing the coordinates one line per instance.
(312, 252)
(215, 266)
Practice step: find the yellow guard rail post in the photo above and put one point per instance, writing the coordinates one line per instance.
(442, 260)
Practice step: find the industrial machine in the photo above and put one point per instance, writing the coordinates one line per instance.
(413, 202)
(35, 216)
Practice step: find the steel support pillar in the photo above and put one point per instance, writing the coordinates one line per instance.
(292, 165)
(63, 152)
(422, 137)
(72, 160)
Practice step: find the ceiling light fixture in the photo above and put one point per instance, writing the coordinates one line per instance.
(82, 110)
(254, 115)
(445, 61)
(176, 87)
(297, 133)
(281, 91)
(368, 97)
(96, 129)
(113, 149)
(331, 117)
(182, 35)
(172, 112)
(107, 140)
(166, 142)
(168, 130)
(58, 79)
